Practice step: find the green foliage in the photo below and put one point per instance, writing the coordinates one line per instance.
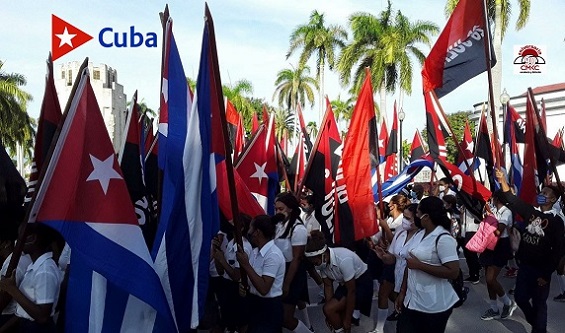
(294, 86)
(457, 121)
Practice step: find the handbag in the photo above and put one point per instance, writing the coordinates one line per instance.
(484, 238)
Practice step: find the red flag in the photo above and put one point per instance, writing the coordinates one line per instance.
(235, 129)
(558, 139)
(484, 149)
(391, 168)
(65, 37)
(416, 149)
(468, 147)
(49, 118)
(265, 115)
(284, 143)
(383, 142)
(459, 53)
(254, 124)
(305, 136)
(464, 182)
(356, 163)
(246, 202)
(530, 177)
(436, 125)
(392, 144)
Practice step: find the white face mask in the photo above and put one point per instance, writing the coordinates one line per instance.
(441, 188)
(406, 224)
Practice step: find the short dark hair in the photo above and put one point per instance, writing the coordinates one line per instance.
(264, 224)
(316, 241)
(556, 191)
(433, 206)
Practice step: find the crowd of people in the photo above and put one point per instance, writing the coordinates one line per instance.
(261, 284)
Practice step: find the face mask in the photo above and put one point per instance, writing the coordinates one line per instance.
(541, 199)
(322, 265)
(307, 210)
(441, 188)
(406, 224)
(413, 194)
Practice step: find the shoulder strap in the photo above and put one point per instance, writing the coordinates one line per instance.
(439, 236)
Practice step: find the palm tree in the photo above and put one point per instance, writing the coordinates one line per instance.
(342, 109)
(386, 45)
(295, 86)
(317, 38)
(312, 129)
(499, 11)
(284, 123)
(16, 126)
(236, 94)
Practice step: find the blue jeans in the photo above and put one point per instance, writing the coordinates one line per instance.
(532, 298)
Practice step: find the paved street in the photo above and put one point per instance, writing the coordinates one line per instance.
(467, 317)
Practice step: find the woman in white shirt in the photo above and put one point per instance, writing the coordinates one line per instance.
(426, 296)
(494, 260)
(343, 266)
(265, 270)
(291, 238)
(395, 256)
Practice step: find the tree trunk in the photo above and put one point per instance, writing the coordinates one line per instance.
(321, 90)
(382, 106)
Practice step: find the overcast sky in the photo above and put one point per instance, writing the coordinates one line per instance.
(252, 40)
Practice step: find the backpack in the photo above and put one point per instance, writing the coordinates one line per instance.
(457, 283)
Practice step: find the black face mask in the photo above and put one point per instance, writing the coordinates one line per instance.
(417, 222)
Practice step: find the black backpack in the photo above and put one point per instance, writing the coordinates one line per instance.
(457, 283)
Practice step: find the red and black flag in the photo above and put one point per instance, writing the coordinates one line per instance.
(131, 162)
(535, 165)
(436, 126)
(514, 126)
(307, 142)
(459, 53)
(483, 148)
(417, 148)
(383, 142)
(392, 144)
(358, 160)
(235, 129)
(467, 145)
(49, 118)
(12, 192)
(322, 172)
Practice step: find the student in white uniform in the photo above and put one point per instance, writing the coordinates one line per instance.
(494, 260)
(395, 256)
(426, 296)
(308, 216)
(39, 290)
(343, 266)
(265, 270)
(291, 238)
(8, 236)
(234, 308)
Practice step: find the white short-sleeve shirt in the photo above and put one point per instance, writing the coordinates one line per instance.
(24, 262)
(310, 222)
(298, 236)
(344, 265)
(398, 248)
(504, 216)
(425, 292)
(268, 261)
(212, 268)
(230, 254)
(41, 283)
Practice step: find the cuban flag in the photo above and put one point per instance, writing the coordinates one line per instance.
(112, 284)
(189, 211)
(395, 184)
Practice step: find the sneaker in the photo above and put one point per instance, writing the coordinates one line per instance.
(508, 310)
(374, 331)
(559, 298)
(393, 316)
(490, 314)
(473, 280)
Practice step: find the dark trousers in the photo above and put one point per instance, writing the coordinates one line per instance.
(471, 257)
(412, 321)
(266, 314)
(532, 298)
(28, 326)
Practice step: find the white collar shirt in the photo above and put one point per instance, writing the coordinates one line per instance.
(425, 292)
(212, 270)
(268, 261)
(230, 254)
(298, 236)
(398, 248)
(41, 283)
(24, 262)
(344, 265)
(504, 216)
(310, 222)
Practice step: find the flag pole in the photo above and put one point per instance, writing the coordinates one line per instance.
(545, 143)
(227, 145)
(17, 253)
(378, 157)
(493, 112)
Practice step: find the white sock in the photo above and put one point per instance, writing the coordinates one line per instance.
(561, 279)
(305, 317)
(339, 330)
(356, 314)
(381, 319)
(494, 305)
(505, 299)
(301, 328)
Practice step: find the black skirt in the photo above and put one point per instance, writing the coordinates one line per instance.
(499, 256)
(267, 314)
(363, 293)
(234, 308)
(298, 290)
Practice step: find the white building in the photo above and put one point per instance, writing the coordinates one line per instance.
(109, 94)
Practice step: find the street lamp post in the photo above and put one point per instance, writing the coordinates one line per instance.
(504, 99)
(401, 116)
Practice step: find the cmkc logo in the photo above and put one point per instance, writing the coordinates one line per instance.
(529, 59)
(65, 37)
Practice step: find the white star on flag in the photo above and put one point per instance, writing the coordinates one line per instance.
(165, 90)
(66, 38)
(260, 172)
(470, 146)
(103, 171)
(381, 143)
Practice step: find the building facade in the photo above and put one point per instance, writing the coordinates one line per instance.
(109, 94)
